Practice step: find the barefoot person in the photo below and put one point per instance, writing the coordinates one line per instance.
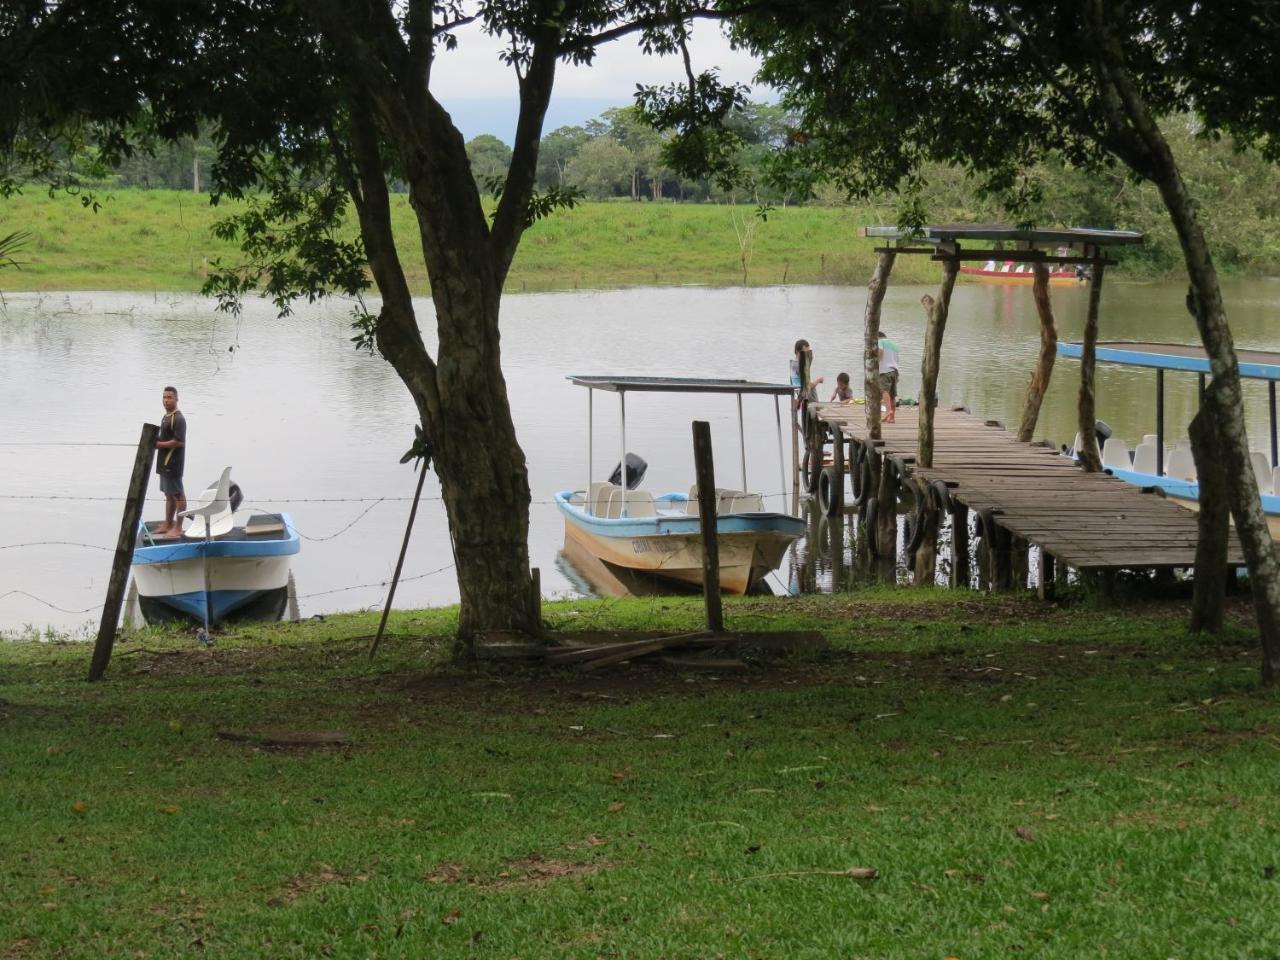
(171, 450)
(888, 378)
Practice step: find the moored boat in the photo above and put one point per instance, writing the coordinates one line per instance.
(223, 566)
(629, 532)
(1009, 271)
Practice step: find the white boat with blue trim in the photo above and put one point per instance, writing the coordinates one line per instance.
(628, 532)
(223, 566)
(1152, 462)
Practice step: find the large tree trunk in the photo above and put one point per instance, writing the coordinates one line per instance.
(1137, 139)
(1048, 354)
(1086, 414)
(937, 311)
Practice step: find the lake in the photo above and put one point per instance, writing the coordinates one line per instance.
(313, 427)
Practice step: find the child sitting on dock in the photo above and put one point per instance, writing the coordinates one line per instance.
(843, 392)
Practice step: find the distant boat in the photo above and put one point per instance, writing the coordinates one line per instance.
(1010, 271)
(630, 532)
(240, 568)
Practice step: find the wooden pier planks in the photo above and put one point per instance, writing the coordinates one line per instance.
(1091, 521)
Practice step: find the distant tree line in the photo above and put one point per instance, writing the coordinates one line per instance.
(618, 157)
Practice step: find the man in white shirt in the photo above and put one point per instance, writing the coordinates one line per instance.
(888, 378)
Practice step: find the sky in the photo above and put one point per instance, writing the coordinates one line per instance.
(479, 91)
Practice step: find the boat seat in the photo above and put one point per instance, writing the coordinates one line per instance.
(1183, 444)
(1262, 470)
(635, 503)
(1144, 457)
(1115, 453)
(598, 497)
(1275, 481)
(1180, 465)
(1074, 450)
(722, 494)
(212, 516)
(742, 503)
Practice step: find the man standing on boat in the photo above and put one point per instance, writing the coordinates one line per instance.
(171, 450)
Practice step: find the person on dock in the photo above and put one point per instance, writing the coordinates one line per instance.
(843, 392)
(888, 378)
(171, 452)
(801, 369)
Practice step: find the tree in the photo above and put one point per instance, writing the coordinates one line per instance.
(997, 86)
(559, 147)
(489, 158)
(601, 169)
(316, 104)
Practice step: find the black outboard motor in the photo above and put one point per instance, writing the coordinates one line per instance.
(635, 472)
(235, 496)
(1102, 430)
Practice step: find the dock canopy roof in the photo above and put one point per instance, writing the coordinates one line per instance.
(1254, 364)
(681, 385)
(996, 232)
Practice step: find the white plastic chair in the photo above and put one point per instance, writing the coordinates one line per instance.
(1115, 453)
(1074, 451)
(1144, 457)
(212, 510)
(1262, 470)
(1180, 465)
(599, 497)
(1275, 480)
(637, 503)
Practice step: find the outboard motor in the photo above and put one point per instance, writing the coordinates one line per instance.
(636, 467)
(1102, 430)
(235, 496)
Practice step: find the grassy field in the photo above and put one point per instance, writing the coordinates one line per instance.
(160, 240)
(1028, 780)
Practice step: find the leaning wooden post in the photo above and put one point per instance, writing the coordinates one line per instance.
(404, 548)
(124, 551)
(926, 566)
(1048, 353)
(705, 474)
(1088, 455)
(1213, 521)
(937, 313)
(871, 340)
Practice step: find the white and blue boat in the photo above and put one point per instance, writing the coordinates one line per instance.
(615, 533)
(223, 566)
(1172, 469)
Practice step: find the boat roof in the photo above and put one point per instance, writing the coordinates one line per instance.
(680, 385)
(993, 232)
(1254, 364)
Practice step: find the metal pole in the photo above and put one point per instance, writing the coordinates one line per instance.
(782, 459)
(586, 494)
(742, 445)
(622, 406)
(1271, 401)
(1159, 421)
(704, 471)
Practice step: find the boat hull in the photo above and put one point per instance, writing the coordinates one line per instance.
(670, 548)
(1059, 278)
(1187, 494)
(246, 578)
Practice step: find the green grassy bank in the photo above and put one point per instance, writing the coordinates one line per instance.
(149, 240)
(1027, 780)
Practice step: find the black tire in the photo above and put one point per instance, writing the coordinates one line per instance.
(828, 490)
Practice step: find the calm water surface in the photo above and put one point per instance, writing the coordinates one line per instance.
(313, 427)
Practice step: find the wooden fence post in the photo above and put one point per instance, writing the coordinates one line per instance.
(404, 548)
(124, 551)
(705, 474)
(1048, 353)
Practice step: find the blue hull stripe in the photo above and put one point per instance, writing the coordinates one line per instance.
(1182, 489)
(224, 602)
(1166, 361)
(172, 551)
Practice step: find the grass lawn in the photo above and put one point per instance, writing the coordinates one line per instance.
(1028, 780)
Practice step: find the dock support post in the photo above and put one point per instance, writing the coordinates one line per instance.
(937, 313)
(1213, 521)
(1019, 562)
(926, 565)
(704, 472)
(838, 469)
(871, 340)
(886, 532)
(1044, 589)
(1090, 459)
(1048, 353)
(959, 545)
(1001, 559)
(123, 557)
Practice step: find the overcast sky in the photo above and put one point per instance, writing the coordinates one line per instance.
(480, 91)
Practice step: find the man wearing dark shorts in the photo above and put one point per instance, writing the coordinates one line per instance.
(171, 450)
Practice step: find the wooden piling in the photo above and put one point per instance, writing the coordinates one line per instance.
(704, 472)
(123, 557)
(838, 471)
(886, 532)
(871, 340)
(404, 548)
(959, 545)
(1048, 353)
(936, 310)
(929, 515)
(1045, 588)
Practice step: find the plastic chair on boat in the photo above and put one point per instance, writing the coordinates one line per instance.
(1275, 480)
(637, 503)
(598, 497)
(213, 510)
(1180, 465)
(1115, 453)
(1144, 457)
(1262, 470)
(744, 503)
(1074, 450)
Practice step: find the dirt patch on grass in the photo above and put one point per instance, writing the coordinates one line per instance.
(321, 877)
(533, 870)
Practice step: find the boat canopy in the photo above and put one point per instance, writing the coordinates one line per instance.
(998, 232)
(681, 385)
(1254, 364)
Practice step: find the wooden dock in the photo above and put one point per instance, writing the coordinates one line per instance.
(1090, 521)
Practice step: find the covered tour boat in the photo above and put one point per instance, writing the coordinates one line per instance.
(625, 531)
